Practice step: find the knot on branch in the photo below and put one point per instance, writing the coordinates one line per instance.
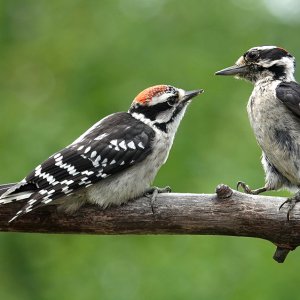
(223, 191)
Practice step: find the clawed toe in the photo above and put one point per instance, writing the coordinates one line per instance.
(248, 190)
(291, 204)
(152, 193)
(244, 186)
(156, 190)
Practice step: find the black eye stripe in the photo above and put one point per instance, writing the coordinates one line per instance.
(266, 54)
(151, 112)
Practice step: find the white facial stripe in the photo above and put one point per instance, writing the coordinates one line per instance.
(165, 116)
(161, 98)
(164, 97)
(181, 93)
(240, 61)
(286, 62)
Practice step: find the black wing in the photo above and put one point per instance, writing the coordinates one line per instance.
(115, 143)
(289, 94)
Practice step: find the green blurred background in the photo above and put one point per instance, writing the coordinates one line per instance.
(64, 64)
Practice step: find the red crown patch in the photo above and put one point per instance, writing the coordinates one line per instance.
(147, 94)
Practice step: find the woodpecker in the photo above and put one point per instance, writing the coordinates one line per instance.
(112, 162)
(274, 112)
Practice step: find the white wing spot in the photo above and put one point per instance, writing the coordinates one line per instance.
(140, 144)
(87, 149)
(93, 154)
(43, 192)
(57, 155)
(88, 173)
(112, 162)
(80, 147)
(104, 162)
(101, 136)
(28, 209)
(30, 202)
(47, 201)
(131, 145)
(123, 145)
(96, 161)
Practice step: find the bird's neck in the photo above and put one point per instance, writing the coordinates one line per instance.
(270, 77)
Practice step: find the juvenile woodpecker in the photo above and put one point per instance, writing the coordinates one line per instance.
(112, 162)
(274, 113)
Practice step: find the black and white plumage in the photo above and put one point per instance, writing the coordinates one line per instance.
(114, 161)
(274, 113)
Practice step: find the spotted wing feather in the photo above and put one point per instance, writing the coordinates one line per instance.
(114, 144)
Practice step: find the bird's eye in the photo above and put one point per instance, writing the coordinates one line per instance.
(252, 55)
(172, 100)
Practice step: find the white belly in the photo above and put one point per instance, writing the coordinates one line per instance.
(270, 119)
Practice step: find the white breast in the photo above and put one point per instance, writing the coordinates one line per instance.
(268, 117)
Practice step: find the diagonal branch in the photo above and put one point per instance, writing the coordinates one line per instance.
(227, 212)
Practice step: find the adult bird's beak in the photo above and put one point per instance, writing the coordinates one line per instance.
(191, 94)
(234, 70)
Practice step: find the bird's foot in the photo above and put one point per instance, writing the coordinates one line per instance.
(291, 204)
(152, 193)
(248, 190)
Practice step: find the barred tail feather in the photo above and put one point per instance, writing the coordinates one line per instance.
(5, 187)
(15, 197)
(11, 188)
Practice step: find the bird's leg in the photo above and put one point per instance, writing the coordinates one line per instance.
(152, 193)
(291, 203)
(248, 190)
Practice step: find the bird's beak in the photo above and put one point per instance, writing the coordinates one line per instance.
(234, 70)
(191, 94)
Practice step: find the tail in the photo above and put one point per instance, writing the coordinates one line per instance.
(12, 192)
(9, 193)
(5, 187)
(23, 190)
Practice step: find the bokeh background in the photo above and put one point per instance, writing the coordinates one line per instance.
(64, 64)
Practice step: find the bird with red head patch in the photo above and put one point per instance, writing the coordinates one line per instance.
(114, 161)
(274, 113)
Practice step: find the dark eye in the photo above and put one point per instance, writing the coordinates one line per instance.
(252, 55)
(172, 100)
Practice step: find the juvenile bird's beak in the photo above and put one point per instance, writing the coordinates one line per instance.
(234, 70)
(191, 94)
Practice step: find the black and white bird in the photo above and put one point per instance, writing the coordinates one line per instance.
(114, 161)
(274, 113)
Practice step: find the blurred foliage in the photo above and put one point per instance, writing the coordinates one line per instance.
(64, 64)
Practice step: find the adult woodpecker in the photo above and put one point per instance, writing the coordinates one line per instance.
(112, 162)
(274, 113)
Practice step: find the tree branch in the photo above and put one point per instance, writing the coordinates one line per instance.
(227, 212)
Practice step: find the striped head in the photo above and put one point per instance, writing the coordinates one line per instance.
(261, 62)
(162, 105)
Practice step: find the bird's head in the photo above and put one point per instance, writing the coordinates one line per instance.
(162, 104)
(262, 62)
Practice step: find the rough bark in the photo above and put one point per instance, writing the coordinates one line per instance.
(227, 212)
